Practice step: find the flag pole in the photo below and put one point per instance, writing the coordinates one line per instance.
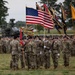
(44, 33)
(25, 19)
(26, 23)
(44, 37)
(48, 7)
(73, 25)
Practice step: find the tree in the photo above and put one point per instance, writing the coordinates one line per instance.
(20, 24)
(39, 27)
(68, 10)
(49, 2)
(3, 12)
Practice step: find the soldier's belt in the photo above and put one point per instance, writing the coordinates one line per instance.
(29, 52)
(54, 49)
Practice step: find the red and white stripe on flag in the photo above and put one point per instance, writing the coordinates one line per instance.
(43, 19)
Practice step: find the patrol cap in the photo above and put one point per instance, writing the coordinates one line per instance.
(30, 37)
(55, 37)
(66, 37)
(15, 36)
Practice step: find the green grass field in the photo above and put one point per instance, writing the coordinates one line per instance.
(61, 70)
(54, 31)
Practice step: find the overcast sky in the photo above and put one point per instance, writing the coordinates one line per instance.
(17, 8)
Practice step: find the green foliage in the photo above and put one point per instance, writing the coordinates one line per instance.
(51, 2)
(20, 24)
(3, 11)
(54, 31)
(67, 6)
(39, 27)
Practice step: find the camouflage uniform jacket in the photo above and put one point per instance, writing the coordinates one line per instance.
(14, 47)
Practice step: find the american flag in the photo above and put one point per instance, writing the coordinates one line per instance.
(34, 16)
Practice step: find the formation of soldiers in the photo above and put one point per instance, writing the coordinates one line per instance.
(36, 52)
(5, 44)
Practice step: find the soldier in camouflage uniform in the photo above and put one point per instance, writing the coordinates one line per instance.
(10, 39)
(38, 54)
(7, 43)
(3, 45)
(26, 52)
(42, 53)
(47, 45)
(66, 51)
(60, 43)
(55, 52)
(14, 47)
(72, 46)
(22, 57)
(31, 54)
(21, 53)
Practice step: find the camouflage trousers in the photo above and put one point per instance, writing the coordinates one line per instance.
(47, 60)
(73, 52)
(38, 61)
(30, 60)
(55, 60)
(4, 49)
(1, 49)
(41, 59)
(22, 60)
(14, 62)
(66, 59)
